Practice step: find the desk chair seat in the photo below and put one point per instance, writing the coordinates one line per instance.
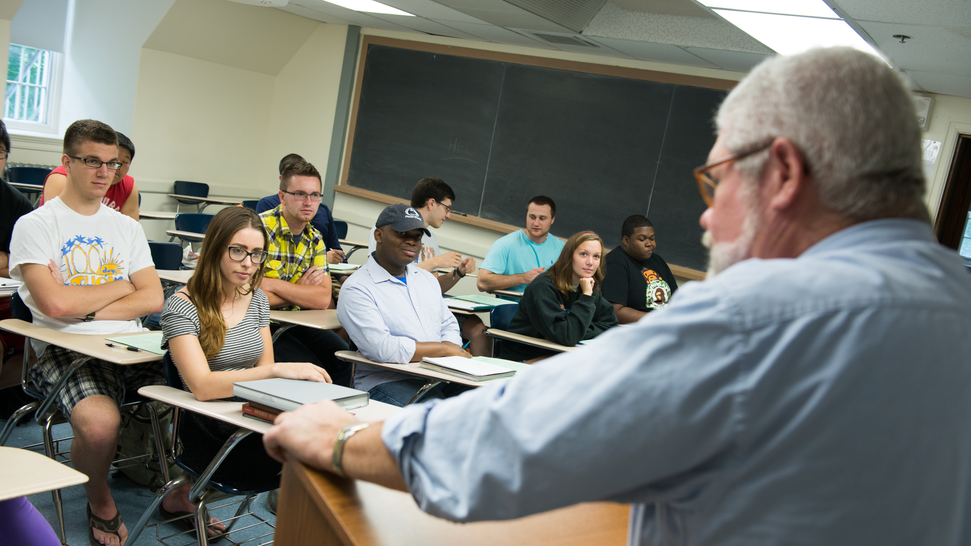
(48, 415)
(28, 175)
(194, 189)
(341, 227)
(499, 318)
(194, 222)
(203, 473)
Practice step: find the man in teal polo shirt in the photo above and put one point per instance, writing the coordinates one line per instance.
(518, 258)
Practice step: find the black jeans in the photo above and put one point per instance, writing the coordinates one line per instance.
(303, 344)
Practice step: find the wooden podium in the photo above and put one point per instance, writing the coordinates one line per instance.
(319, 508)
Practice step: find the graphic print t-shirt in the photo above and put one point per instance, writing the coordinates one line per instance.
(89, 250)
(645, 286)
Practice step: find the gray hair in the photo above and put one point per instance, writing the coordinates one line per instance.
(850, 116)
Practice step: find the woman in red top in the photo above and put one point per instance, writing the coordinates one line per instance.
(123, 193)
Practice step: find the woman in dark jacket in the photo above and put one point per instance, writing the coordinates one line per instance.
(563, 305)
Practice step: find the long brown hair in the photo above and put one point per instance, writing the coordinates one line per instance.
(206, 284)
(562, 270)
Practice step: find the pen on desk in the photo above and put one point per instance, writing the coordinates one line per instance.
(132, 349)
(466, 346)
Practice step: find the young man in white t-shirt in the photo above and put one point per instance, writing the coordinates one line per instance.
(87, 269)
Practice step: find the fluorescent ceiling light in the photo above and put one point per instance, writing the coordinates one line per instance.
(807, 8)
(369, 6)
(788, 35)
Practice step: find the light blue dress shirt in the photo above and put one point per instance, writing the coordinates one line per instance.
(819, 400)
(515, 253)
(385, 317)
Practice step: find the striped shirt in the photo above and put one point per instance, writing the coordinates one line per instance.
(291, 255)
(244, 345)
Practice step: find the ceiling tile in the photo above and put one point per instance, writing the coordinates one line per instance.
(923, 12)
(944, 84)
(929, 49)
(499, 35)
(600, 49)
(736, 61)
(431, 10)
(297, 9)
(659, 53)
(615, 22)
(420, 24)
(503, 14)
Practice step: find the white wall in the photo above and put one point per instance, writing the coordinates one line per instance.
(104, 39)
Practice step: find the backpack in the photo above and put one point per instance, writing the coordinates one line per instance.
(136, 438)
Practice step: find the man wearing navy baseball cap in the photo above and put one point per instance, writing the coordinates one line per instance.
(394, 311)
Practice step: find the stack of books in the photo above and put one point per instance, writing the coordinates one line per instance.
(267, 398)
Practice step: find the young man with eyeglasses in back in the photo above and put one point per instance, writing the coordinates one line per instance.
(87, 269)
(296, 274)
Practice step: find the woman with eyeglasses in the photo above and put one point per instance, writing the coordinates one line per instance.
(217, 332)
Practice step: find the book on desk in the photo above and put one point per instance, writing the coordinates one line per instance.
(479, 368)
(290, 394)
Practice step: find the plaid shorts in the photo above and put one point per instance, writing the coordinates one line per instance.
(93, 377)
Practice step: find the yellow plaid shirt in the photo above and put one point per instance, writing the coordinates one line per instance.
(291, 255)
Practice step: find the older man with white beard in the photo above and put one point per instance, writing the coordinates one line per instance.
(814, 390)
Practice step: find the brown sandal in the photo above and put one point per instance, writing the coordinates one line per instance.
(110, 526)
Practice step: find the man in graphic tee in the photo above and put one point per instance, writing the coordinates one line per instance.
(638, 281)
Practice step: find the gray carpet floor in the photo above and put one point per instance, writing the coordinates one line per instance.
(132, 500)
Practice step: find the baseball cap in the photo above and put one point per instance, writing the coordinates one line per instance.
(401, 218)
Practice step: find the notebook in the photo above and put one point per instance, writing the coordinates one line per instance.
(149, 341)
(479, 368)
(290, 394)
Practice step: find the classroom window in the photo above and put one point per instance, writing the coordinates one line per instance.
(31, 88)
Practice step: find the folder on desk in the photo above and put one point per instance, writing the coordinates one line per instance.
(149, 341)
(290, 394)
(478, 368)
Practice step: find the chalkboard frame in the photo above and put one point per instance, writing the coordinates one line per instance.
(344, 186)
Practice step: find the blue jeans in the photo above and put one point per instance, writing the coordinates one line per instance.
(398, 393)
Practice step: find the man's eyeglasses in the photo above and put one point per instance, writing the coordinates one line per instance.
(237, 254)
(301, 196)
(4, 154)
(97, 163)
(448, 208)
(707, 185)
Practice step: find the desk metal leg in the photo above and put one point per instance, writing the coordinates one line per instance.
(423, 391)
(283, 328)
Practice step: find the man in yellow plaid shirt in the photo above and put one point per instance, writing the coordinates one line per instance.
(295, 273)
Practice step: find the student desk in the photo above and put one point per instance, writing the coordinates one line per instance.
(321, 319)
(156, 215)
(176, 276)
(91, 345)
(534, 341)
(232, 413)
(204, 202)
(508, 293)
(24, 472)
(321, 508)
(185, 235)
(415, 369)
(354, 245)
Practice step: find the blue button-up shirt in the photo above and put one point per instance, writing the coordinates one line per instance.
(385, 317)
(818, 400)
